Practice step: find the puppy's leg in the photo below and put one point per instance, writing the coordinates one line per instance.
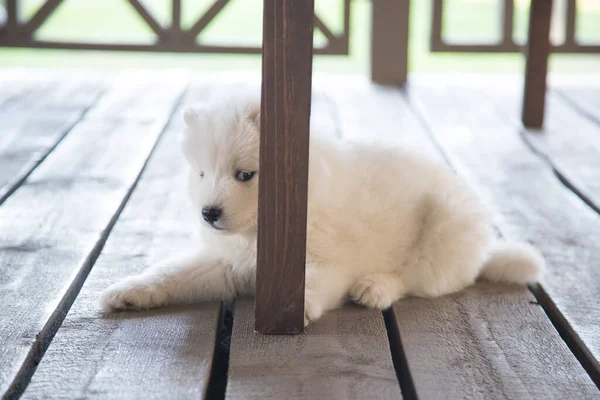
(197, 278)
(378, 290)
(326, 289)
(452, 245)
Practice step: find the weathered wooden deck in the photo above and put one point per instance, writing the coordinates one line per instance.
(91, 190)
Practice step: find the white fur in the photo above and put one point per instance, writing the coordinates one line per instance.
(383, 223)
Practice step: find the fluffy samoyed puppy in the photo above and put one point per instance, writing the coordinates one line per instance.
(383, 223)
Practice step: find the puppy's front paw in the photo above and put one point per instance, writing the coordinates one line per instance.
(132, 294)
(369, 292)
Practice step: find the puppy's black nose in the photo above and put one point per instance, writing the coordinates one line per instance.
(211, 214)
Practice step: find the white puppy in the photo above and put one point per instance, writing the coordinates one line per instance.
(383, 223)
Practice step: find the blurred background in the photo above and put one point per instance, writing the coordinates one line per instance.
(239, 23)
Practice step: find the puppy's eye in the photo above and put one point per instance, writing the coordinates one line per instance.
(201, 174)
(244, 176)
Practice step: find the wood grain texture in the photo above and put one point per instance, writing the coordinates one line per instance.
(51, 92)
(11, 87)
(586, 101)
(165, 353)
(283, 184)
(536, 68)
(140, 95)
(569, 141)
(389, 41)
(487, 342)
(344, 355)
(372, 113)
(54, 225)
(37, 113)
(531, 204)
(24, 142)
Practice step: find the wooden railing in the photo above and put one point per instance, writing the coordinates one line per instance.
(507, 43)
(172, 38)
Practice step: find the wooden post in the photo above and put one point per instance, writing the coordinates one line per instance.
(536, 70)
(389, 41)
(12, 15)
(508, 22)
(283, 183)
(174, 33)
(176, 16)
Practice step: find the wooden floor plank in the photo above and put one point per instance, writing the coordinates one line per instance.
(466, 345)
(344, 355)
(11, 88)
(24, 142)
(586, 101)
(34, 123)
(532, 205)
(373, 113)
(19, 83)
(126, 103)
(53, 226)
(51, 92)
(478, 334)
(489, 341)
(570, 142)
(160, 354)
(38, 113)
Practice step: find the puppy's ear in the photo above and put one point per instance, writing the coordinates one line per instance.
(193, 116)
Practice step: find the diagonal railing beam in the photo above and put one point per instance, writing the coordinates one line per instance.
(320, 25)
(41, 16)
(207, 18)
(147, 17)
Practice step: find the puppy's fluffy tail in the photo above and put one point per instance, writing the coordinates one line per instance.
(513, 262)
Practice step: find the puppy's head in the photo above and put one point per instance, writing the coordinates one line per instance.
(221, 145)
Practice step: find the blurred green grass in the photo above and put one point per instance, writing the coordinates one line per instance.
(240, 22)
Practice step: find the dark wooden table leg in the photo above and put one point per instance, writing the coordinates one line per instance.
(285, 114)
(389, 41)
(536, 70)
